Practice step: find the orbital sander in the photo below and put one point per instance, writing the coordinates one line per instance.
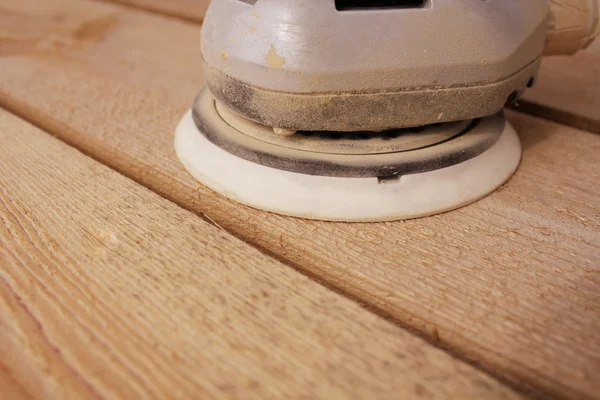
(368, 110)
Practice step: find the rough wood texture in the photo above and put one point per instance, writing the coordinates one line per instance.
(10, 388)
(567, 90)
(512, 281)
(108, 290)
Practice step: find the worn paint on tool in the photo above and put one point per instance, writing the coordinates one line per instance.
(273, 59)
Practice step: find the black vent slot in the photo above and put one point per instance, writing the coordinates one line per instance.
(343, 5)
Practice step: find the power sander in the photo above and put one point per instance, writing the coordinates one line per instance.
(368, 110)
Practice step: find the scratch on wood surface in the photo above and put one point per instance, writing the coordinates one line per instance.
(212, 221)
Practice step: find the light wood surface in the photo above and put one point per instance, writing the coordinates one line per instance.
(10, 388)
(511, 282)
(190, 10)
(568, 90)
(108, 290)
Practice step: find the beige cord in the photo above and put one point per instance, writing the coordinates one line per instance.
(573, 26)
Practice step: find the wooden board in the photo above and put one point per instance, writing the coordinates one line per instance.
(568, 90)
(510, 282)
(189, 10)
(11, 389)
(108, 290)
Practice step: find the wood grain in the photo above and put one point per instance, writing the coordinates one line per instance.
(567, 90)
(108, 290)
(510, 282)
(189, 10)
(10, 388)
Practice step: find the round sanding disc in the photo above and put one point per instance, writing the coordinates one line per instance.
(349, 199)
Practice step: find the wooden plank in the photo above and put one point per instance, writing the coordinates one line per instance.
(189, 10)
(510, 282)
(11, 389)
(567, 90)
(108, 290)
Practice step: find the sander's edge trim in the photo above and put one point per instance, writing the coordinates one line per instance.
(354, 111)
(477, 137)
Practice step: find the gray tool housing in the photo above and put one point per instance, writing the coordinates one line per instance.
(305, 65)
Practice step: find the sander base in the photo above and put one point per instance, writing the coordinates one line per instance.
(350, 199)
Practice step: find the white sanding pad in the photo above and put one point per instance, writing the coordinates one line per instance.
(346, 199)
